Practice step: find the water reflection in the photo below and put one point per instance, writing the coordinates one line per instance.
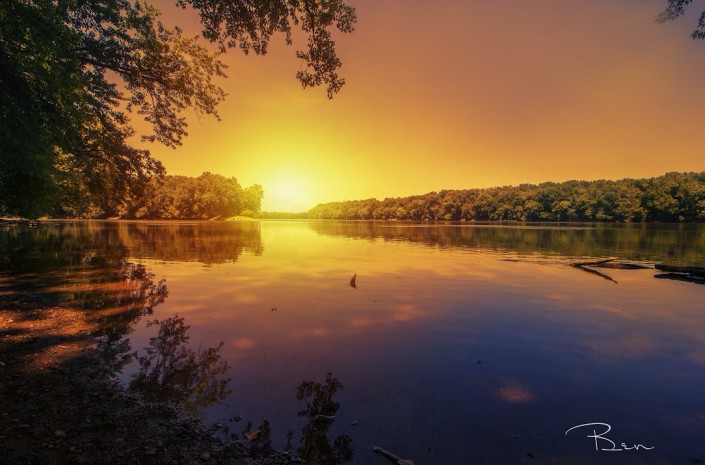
(170, 371)
(62, 246)
(207, 243)
(86, 266)
(316, 447)
(118, 315)
(557, 346)
(680, 244)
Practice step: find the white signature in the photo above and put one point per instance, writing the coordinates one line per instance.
(601, 440)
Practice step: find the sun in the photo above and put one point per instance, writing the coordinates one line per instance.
(288, 187)
(287, 192)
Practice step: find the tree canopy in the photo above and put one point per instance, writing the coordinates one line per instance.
(208, 196)
(72, 72)
(205, 197)
(676, 9)
(673, 197)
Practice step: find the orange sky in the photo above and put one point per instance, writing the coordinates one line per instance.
(460, 94)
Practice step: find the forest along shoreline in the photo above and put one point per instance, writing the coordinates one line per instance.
(61, 403)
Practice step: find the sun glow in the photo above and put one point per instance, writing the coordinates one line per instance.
(287, 192)
(413, 118)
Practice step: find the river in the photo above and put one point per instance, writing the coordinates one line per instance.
(457, 344)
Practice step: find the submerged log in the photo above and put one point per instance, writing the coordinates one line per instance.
(692, 270)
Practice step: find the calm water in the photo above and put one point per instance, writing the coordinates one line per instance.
(461, 344)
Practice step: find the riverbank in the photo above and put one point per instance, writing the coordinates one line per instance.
(62, 405)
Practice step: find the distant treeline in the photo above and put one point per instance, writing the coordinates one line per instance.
(673, 197)
(282, 215)
(173, 197)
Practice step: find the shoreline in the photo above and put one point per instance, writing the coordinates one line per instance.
(62, 404)
(248, 219)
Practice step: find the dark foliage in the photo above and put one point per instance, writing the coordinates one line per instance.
(677, 8)
(71, 71)
(173, 197)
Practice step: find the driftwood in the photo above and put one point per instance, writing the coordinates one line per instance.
(611, 263)
(607, 263)
(590, 270)
(690, 270)
(681, 277)
(624, 266)
(391, 457)
(593, 263)
(584, 267)
(689, 274)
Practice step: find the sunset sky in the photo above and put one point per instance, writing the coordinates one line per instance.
(460, 94)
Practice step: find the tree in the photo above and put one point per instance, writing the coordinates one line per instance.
(252, 200)
(181, 197)
(71, 71)
(671, 197)
(249, 24)
(676, 9)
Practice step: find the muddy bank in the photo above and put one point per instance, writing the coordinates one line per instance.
(61, 404)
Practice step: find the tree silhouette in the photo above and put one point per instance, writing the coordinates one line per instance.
(676, 9)
(72, 71)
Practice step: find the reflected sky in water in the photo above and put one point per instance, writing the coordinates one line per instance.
(451, 353)
(460, 344)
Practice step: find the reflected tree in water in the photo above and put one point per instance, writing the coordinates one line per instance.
(316, 447)
(171, 371)
(676, 244)
(60, 251)
(84, 265)
(210, 244)
(138, 298)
